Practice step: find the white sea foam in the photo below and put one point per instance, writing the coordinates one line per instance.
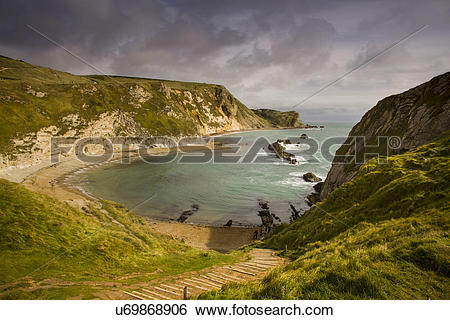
(294, 182)
(296, 147)
(296, 174)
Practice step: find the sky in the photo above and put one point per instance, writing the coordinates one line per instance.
(268, 53)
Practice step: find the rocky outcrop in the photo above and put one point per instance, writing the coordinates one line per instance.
(318, 187)
(314, 197)
(280, 119)
(416, 116)
(280, 150)
(311, 177)
(295, 214)
(267, 218)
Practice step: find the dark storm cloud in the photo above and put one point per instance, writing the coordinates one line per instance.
(267, 52)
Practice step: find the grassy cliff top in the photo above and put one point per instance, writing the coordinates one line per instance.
(383, 235)
(12, 69)
(280, 119)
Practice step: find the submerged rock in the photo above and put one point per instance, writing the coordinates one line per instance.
(187, 213)
(311, 177)
(304, 136)
(309, 126)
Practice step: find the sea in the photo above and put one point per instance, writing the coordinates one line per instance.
(213, 190)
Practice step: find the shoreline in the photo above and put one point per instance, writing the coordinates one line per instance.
(20, 173)
(51, 181)
(260, 129)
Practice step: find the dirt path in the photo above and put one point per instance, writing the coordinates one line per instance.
(258, 263)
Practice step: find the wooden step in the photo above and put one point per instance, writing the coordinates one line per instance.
(159, 295)
(146, 296)
(226, 277)
(242, 271)
(211, 279)
(200, 283)
(193, 285)
(133, 295)
(266, 258)
(219, 277)
(172, 287)
(212, 284)
(245, 267)
(269, 263)
(257, 268)
(166, 291)
(264, 267)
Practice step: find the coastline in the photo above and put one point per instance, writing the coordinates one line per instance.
(260, 129)
(20, 173)
(51, 180)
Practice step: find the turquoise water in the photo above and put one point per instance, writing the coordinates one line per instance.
(221, 191)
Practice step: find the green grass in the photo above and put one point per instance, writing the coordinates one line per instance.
(89, 248)
(383, 235)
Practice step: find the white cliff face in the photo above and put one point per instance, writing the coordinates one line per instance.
(206, 115)
(138, 96)
(34, 148)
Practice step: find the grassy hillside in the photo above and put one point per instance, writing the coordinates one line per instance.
(383, 235)
(49, 250)
(33, 97)
(280, 119)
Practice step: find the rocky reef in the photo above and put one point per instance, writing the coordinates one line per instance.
(280, 150)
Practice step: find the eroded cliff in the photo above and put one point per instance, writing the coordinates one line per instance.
(417, 116)
(37, 103)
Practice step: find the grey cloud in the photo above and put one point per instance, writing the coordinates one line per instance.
(268, 53)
